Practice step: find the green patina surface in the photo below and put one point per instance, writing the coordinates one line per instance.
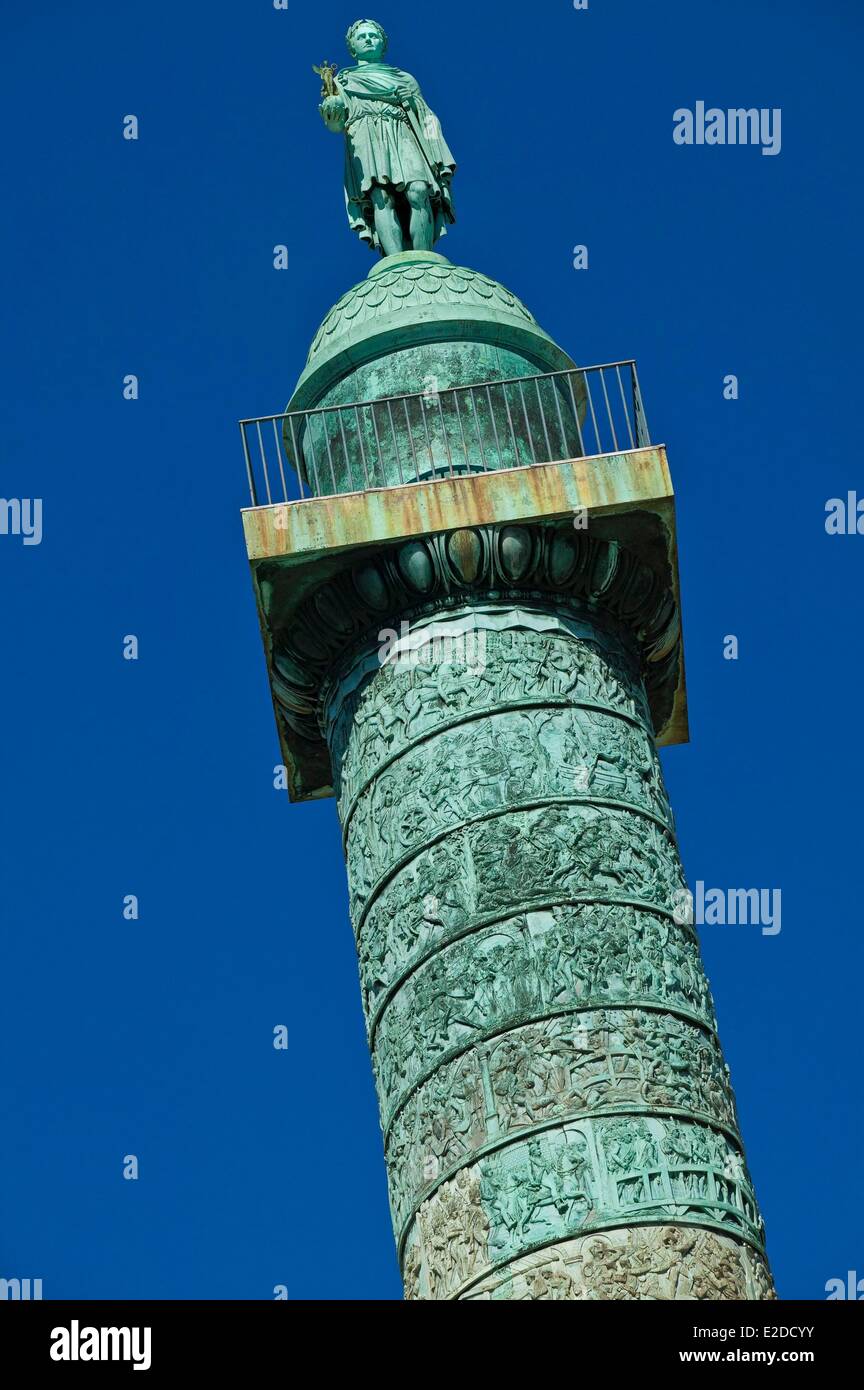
(398, 168)
(548, 1070)
(483, 688)
(315, 604)
(419, 326)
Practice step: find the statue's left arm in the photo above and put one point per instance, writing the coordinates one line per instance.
(334, 112)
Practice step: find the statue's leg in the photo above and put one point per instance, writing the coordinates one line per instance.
(386, 221)
(422, 230)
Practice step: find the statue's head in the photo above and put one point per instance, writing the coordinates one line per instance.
(366, 39)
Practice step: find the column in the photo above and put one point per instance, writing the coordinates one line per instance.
(558, 1119)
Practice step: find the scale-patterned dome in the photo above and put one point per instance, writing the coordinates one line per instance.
(411, 282)
(412, 300)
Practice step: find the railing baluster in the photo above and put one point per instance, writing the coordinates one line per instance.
(329, 454)
(264, 463)
(281, 468)
(517, 462)
(591, 406)
(425, 413)
(494, 424)
(314, 459)
(479, 431)
(543, 419)
(462, 431)
(566, 447)
(444, 432)
(608, 408)
(576, 414)
(527, 422)
(249, 474)
(411, 437)
(362, 448)
(351, 487)
(395, 441)
(378, 444)
(299, 460)
(642, 434)
(624, 405)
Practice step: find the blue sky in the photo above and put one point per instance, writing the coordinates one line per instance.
(154, 777)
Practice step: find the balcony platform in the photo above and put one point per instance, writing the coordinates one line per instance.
(294, 548)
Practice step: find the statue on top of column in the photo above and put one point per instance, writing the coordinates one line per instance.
(398, 168)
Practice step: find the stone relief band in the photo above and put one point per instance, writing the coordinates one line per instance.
(543, 1037)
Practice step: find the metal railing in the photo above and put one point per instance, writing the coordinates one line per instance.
(446, 432)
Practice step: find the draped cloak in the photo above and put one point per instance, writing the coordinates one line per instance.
(383, 147)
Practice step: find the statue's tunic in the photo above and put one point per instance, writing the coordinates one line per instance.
(384, 146)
